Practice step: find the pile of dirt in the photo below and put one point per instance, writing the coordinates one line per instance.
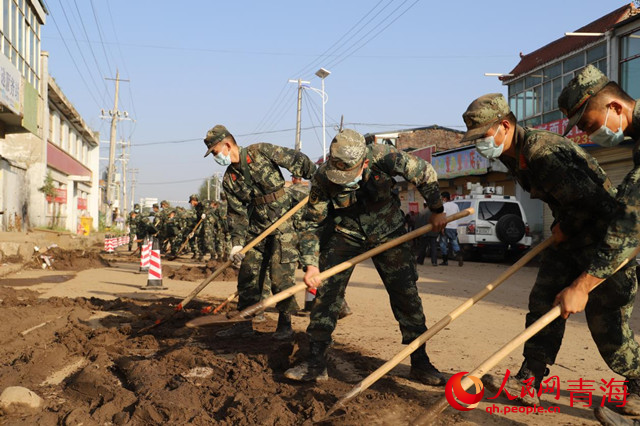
(199, 273)
(68, 260)
(94, 371)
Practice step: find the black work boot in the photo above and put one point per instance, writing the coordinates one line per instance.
(530, 368)
(445, 260)
(345, 311)
(241, 329)
(315, 368)
(283, 330)
(460, 259)
(632, 406)
(608, 417)
(423, 371)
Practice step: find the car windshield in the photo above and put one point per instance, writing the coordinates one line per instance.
(463, 204)
(494, 210)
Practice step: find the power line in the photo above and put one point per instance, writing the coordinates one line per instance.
(75, 64)
(171, 182)
(104, 49)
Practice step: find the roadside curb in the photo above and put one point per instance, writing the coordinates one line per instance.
(10, 268)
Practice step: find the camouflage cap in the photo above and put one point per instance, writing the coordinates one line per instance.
(346, 153)
(214, 136)
(193, 197)
(483, 113)
(155, 206)
(165, 203)
(574, 98)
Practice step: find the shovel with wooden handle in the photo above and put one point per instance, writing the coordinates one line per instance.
(434, 329)
(193, 231)
(228, 263)
(432, 413)
(249, 312)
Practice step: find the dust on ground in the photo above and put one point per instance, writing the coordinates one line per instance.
(60, 259)
(198, 273)
(86, 360)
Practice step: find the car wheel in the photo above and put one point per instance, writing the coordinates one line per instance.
(510, 229)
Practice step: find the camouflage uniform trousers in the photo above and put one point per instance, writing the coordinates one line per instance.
(207, 243)
(219, 244)
(263, 265)
(197, 242)
(608, 310)
(397, 268)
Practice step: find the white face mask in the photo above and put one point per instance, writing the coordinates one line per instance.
(488, 148)
(223, 160)
(355, 182)
(604, 136)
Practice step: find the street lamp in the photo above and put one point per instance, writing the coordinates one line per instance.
(322, 73)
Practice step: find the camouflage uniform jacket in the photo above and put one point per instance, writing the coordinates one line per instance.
(258, 174)
(560, 173)
(622, 236)
(371, 211)
(132, 224)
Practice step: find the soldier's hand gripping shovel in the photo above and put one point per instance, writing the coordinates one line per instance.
(434, 329)
(228, 263)
(429, 416)
(248, 313)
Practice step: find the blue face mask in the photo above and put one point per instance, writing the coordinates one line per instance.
(487, 147)
(223, 160)
(604, 136)
(354, 183)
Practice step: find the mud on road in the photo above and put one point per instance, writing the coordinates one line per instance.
(85, 359)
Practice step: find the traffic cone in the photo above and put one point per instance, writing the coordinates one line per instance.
(154, 280)
(106, 243)
(145, 253)
(110, 244)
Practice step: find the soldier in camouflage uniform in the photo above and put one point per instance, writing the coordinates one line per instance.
(131, 222)
(580, 196)
(254, 186)
(160, 223)
(351, 197)
(608, 115)
(180, 229)
(196, 238)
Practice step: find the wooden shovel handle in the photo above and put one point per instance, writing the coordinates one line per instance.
(434, 329)
(273, 300)
(432, 413)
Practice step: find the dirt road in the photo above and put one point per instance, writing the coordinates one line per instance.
(81, 354)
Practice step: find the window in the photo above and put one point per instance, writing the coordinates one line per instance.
(534, 97)
(494, 210)
(630, 64)
(64, 136)
(55, 128)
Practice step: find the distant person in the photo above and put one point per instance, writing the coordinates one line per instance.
(428, 241)
(450, 232)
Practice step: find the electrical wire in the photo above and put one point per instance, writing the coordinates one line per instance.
(75, 64)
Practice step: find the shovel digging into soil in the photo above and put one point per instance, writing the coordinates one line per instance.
(228, 263)
(430, 416)
(248, 313)
(437, 327)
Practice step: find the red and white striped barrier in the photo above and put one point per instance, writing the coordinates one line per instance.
(145, 255)
(154, 280)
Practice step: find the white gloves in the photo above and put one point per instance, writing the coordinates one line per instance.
(236, 256)
(203, 216)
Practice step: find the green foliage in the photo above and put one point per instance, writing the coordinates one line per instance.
(48, 188)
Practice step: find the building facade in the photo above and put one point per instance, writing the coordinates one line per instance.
(612, 45)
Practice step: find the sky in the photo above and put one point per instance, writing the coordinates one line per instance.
(395, 64)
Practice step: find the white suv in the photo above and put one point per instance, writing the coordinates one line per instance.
(498, 224)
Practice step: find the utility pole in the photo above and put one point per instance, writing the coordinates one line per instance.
(299, 115)
(124, 207)
(115, 116)
(134, 172)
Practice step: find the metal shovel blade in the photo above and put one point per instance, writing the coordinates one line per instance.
(215, 321)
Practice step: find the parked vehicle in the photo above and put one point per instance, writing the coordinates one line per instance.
(498, 225)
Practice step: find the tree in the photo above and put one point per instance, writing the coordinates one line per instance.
(49, 190)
